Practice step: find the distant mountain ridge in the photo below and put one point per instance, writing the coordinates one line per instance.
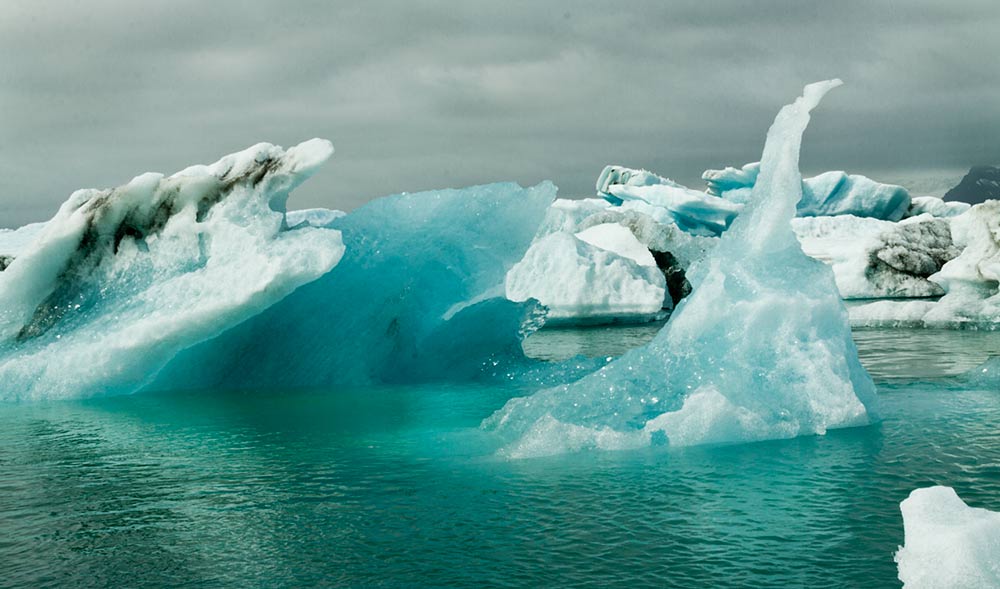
(980, 184)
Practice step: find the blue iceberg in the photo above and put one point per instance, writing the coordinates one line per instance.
(760, 350)
(828, 194)
(417, 296)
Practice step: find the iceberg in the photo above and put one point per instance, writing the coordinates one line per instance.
(970, 281)
(600, 275)
(947, 543)
(828, 194)
(936, 207)
(879, 259)
(695, 212)
(121, 280)
(419, 295)
(761, 349)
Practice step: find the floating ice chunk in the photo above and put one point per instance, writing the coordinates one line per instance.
(583, 283)
(934, 206)
(828, 194)
(845, 243)
(761, 349)
(969, 280)
(696, 212)
(121, 280)
(673, 250)
(836, 193)
(948, 545)
(879, 259)
(418, 296)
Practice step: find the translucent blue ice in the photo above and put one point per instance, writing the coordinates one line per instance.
(418, 295)
(761, 349)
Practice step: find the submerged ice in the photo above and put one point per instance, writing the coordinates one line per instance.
(761, 349)
(121, 280)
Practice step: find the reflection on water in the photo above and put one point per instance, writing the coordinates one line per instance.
(886, 353)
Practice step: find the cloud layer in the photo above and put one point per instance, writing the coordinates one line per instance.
(439, 94)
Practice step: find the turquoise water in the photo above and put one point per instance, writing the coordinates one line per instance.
(398, 487)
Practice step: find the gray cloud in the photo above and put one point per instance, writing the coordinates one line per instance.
(439, 94)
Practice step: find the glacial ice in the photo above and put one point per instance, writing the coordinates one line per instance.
(828, 194)
(13, 241)
(879, 259)
(121, 280)
(948, 545)
(600, 275)
(761, 349)
(696, 212)
(969, 280)
(417, 296)
(936, 207)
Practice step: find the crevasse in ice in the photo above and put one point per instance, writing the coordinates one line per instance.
(948, 545)
(761, 349)
(121, 280)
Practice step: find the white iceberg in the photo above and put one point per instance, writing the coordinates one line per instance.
(121, 280)
(600, 275)
(948, 545)
(879, 259)
(761, 349)
(970, 281)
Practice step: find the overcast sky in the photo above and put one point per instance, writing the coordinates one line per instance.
(420, 95)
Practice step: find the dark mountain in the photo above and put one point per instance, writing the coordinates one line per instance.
(981, 183)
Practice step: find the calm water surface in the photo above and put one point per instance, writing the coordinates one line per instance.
(398, 487)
